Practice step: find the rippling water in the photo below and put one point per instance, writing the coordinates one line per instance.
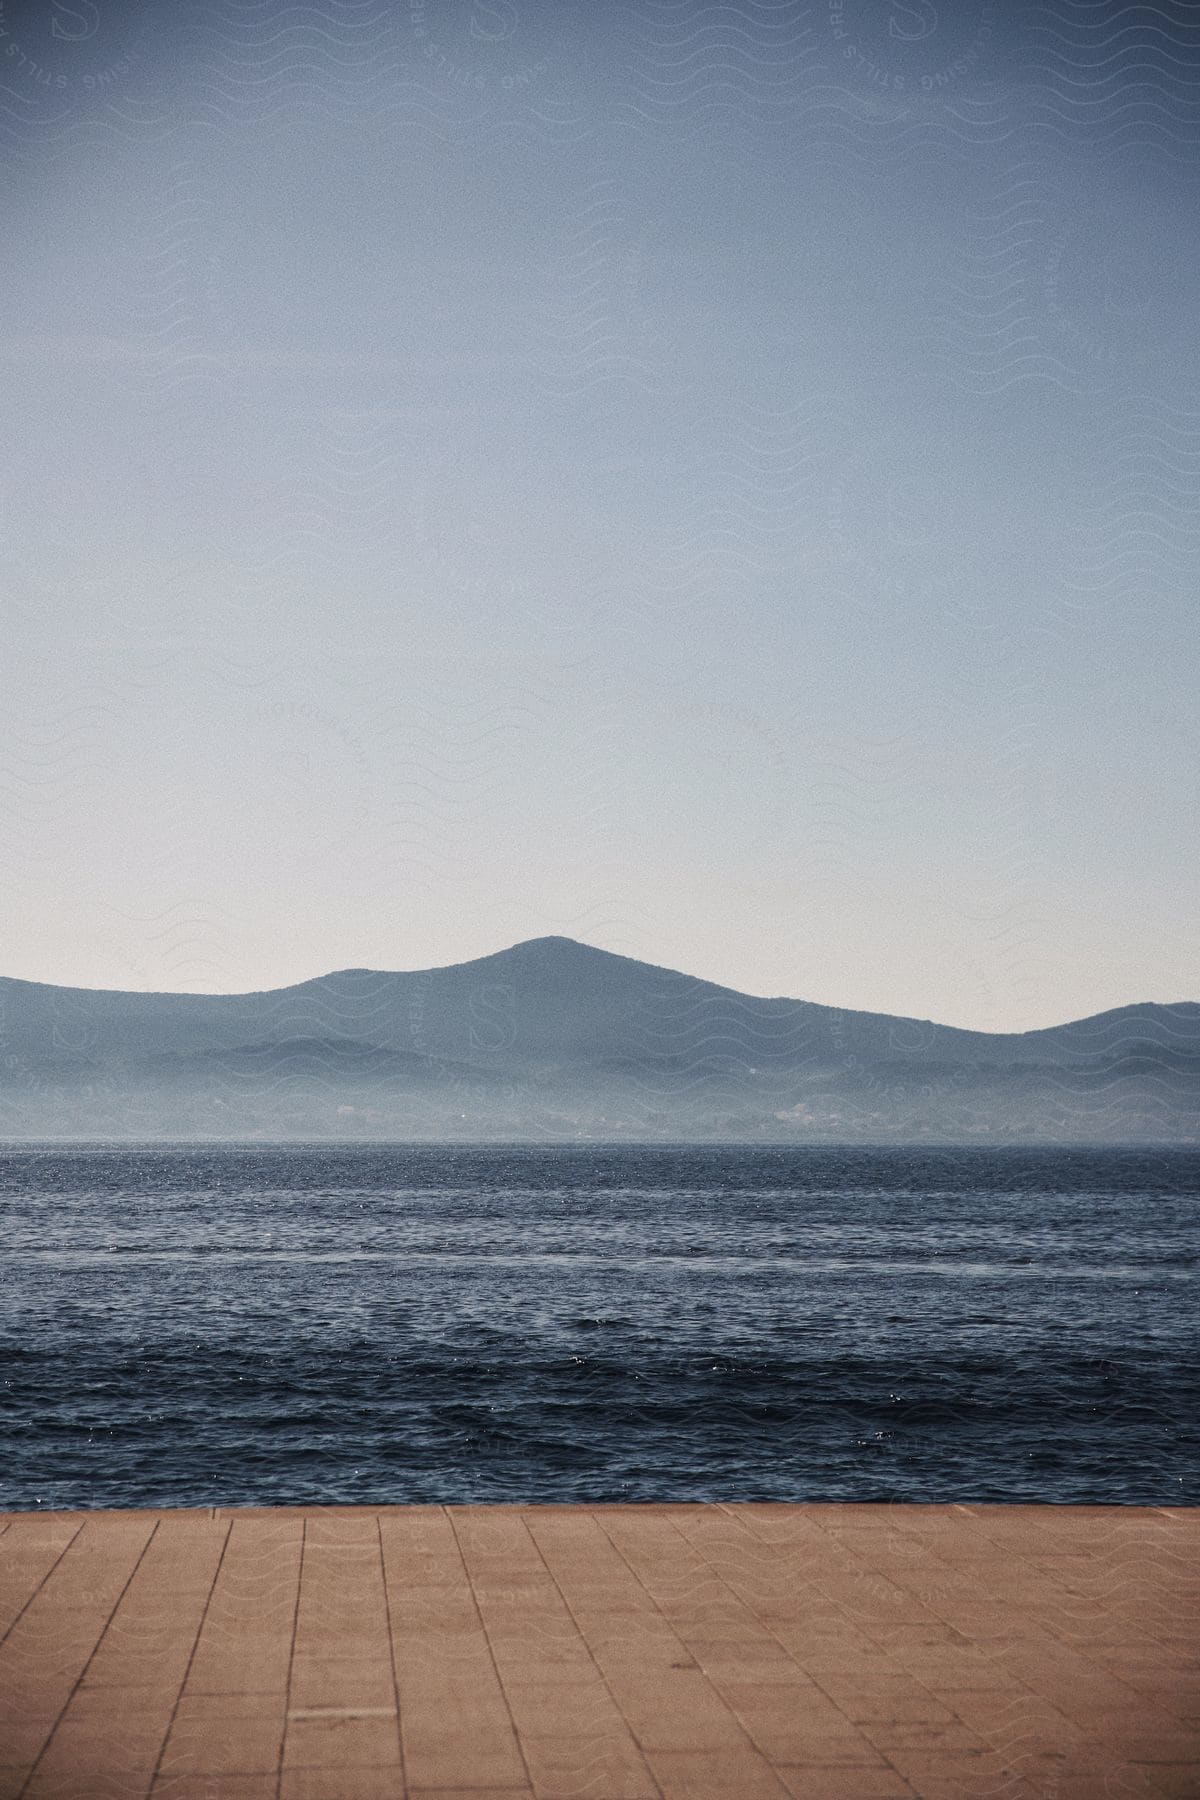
(190, 1326)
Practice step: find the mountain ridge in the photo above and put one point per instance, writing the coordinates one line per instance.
(496, 957)
(550, 1037)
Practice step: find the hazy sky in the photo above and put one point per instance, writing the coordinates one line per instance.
(714, 481)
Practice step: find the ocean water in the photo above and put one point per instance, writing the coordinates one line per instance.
(191, 1326)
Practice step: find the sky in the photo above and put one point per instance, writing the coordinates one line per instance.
(714, 481)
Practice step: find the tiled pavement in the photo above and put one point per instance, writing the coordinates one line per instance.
(609, 1653)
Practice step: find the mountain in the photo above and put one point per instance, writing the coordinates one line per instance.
(553, 1038)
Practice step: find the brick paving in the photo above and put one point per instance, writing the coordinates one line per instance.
(601, 1653)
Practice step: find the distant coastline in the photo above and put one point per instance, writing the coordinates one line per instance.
(553, 1040)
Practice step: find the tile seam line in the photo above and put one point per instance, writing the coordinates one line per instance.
(92, 1653)
(619, 1709)
(387, 1613)
(1049, 1552)
(212, 1588)
(287, 1692)
(853, 1556)
(41, 1584)
(1030, 1693)
(659, 1613)
(850, 1556)
(718, 1577)
(769, 1633)
(448, 1514)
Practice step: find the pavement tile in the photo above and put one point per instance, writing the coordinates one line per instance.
(761, 1659)
(873, 1652)
(890, 1735)
(845, 1784)
(475, 1793)
(582, 1704)
(124, 1743)
(1112, 1782)
(214, 1787)
(961, 1671)
(778, 1716)
(23, 1734)
(645, 1662)
(577, 1768)
(1145, 1742)
(457, 1732)
(224, 1735)
(821, 1750)
(830, 1652)
(342, 1784)
(342, 1681)
(246, 1636)
(106, 1784)
(922, 1765)
(963, 1785)
(48, 1646)
(1006, 1712)
(124, 1702)
(628, 1629)
(156, 1656)
(675, 1709)
(540, 1654)
(884, 1707)
(26, 1559)
(1181, 1782)
(234, 1662)
(432, 1618)
(341, 1742)
(715, 1775)
(731, 1628)
(248, 1703)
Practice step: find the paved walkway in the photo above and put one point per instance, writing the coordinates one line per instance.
(604, 1653)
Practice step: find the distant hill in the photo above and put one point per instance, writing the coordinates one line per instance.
(553, 1038)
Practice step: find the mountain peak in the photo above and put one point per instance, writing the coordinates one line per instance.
(555, 946)
(553, 1037)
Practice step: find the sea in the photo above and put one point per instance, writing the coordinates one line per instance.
(202, 1325)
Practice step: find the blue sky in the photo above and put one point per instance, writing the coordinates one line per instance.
(717, 482)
